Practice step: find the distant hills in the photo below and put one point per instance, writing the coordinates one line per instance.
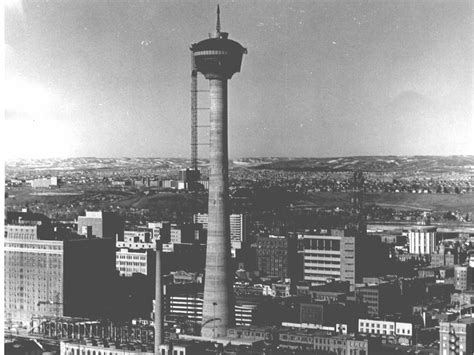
(435, 164)
(430, 164)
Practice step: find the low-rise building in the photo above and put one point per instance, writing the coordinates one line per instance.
(87, 346)
(328, 341)
(129, 262)
(401, 332)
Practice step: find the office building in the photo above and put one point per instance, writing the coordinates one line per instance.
(322, 257)
(57, 277)
(338, 255)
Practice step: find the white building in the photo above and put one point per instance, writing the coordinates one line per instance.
(322, 258)
(132, 262)
(422, 240)
(136, 246)
(73, 347)
(45, 182)
(401, 331)
(245, 314)
(140, 235)
(191, 307)
(137, 239)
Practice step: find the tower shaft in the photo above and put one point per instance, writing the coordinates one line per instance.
(218, 58)
(218, 307)
(194, 134)
(159, 333)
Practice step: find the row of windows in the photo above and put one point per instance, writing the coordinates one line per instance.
(373, 325)
(131, 257)
(321, 268)
(129, 263)
(312, 256)
(324, 261)
(34, 246)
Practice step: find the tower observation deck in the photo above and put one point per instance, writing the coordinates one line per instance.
(218, 59)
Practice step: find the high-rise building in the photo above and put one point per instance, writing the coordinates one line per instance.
(337, 254)
(322, 257)
(49, 277)
(218, 59)
(422, 240)
(99, 224)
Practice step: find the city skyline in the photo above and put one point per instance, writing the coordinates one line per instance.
(323, 79)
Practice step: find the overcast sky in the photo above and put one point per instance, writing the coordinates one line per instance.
(321, 78)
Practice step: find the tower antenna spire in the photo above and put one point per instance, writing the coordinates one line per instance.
(218, 24)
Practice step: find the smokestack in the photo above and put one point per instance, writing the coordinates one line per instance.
(158, 298)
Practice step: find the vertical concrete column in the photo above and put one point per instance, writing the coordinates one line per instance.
(218, 293)
(194, 136)
(158, 298)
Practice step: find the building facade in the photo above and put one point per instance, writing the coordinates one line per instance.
(129, 262)
(463, 277)
(238, 225)
(56, 278)
(275, 255)
(88, 347)
(326, 341)
(457, 337)
(401, 332)
(380, 299)
(422, 240)
(322, 257)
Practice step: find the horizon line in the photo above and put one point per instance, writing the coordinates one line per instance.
(241, 157)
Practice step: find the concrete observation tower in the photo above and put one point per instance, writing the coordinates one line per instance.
(218, 58)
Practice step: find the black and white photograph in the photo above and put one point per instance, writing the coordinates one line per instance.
(238, 177)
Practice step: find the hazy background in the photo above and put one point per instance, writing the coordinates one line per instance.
(321, 78)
